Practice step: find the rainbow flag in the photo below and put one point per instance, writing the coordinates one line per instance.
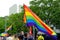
(4, 34)
(31, 19)
(9, 28)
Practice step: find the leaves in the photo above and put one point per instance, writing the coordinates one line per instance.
(16, 20)
(47, 10)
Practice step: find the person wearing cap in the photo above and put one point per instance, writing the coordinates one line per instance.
(40, 37)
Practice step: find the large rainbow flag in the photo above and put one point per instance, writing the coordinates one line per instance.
(31, 19)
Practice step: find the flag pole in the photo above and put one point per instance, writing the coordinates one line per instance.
(5, 23)
(34, 32)
(6, 18)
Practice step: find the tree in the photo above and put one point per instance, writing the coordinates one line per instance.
(18, 24)
(2, 22)
(16, 20)
(47, 10)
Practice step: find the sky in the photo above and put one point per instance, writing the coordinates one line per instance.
(6, 4)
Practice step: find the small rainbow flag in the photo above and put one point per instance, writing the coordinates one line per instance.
(31, 19)
(9, 28)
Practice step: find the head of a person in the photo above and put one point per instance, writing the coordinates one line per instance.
(15, 35)
(39, 34)
(22, 33)
(20, 37)
(9, 34)
(25, 34)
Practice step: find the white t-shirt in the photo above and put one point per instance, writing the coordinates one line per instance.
(9, 38)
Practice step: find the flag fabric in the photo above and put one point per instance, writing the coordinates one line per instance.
(30, 31)
(24, 18)
(4, 34)
(31, 19)
(9, 28)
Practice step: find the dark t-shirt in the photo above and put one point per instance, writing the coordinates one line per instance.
(25, 38)
(4, 38)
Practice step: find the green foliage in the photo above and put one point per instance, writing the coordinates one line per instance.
(47, 10)
(16, 20)
(2, 24)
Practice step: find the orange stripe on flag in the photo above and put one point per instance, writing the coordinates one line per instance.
(24, 18)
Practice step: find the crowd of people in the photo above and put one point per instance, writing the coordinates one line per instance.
(26, 36)
(21, 36)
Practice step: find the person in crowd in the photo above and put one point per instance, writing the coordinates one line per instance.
(30, 37)
(25, 36)
(4, 38)
(1, 38)
(20, 37)
(15, 37)
(40, 37)
(47, 37)
(9, 37)
(22, 33)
